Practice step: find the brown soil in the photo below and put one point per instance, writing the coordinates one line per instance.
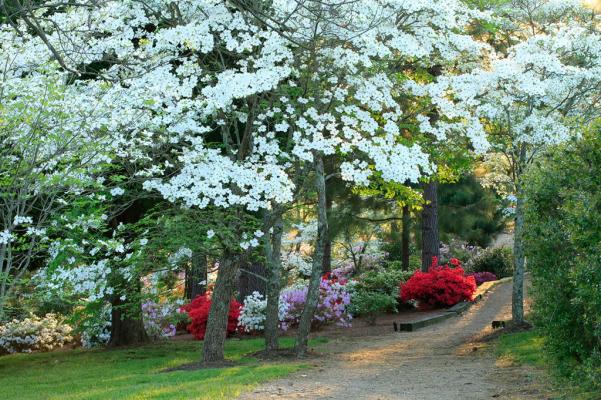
(200, 365)
(441, 362)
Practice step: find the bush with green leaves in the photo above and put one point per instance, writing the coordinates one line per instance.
(499, 261)
(376, 291)
(382, 280)
(370, 304)
(563, 249)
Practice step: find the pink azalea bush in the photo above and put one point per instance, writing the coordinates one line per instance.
(482, 277)
(334, 299)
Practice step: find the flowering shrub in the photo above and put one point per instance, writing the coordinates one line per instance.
(482, 277)
(334, 299)
(252, 314)
(499, 261)
(34, 334)
(441, 286)
(160, 320)
(95, 329)
(198, 311)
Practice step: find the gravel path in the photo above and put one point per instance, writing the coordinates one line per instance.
(440, 362)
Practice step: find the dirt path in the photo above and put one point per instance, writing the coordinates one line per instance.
(441, 362)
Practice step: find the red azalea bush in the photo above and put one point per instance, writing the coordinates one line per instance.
(198, 311)
(441, 286)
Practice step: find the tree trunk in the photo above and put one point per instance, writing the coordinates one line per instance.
(196, 276)
(216, 332)
(127, 325)
(405, 237)
(273, 254)
(304, 327)
(327, 250)
(430, 241)
(252, 279)
(517, 301)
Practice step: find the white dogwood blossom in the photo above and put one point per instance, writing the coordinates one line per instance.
(212, 106)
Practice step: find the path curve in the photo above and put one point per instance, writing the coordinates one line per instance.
(440, 362)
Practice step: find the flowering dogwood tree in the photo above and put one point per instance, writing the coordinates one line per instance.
(215, 103)
(52, 146)
(538, 90)
(348, 55)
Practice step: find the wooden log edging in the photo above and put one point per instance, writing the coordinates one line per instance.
(456, 310)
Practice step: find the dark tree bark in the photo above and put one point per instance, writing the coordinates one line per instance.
(304, 327)
(127, 326)
(196, 276)
(430, 241)
(220, 305)
(273, 252)
(327, 250)
(517, 300)
(405, 237)
(252, 279)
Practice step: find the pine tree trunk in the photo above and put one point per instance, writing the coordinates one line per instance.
(216, 332)
(405, 238)
(327, 250)
(430, 241)
(273, 254)
(127, 325)
(517, 302)
(253, 277)
(196, 277)
(304, 327)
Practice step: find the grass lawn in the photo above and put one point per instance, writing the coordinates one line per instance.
(135, 373)
(527, 348)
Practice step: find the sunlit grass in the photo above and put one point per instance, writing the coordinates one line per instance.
(137, 373)
(528, 348)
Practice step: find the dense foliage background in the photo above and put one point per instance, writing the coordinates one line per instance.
(563, 247)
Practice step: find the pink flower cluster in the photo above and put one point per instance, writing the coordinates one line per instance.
(332, 306)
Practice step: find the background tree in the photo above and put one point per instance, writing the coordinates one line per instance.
(533, 93)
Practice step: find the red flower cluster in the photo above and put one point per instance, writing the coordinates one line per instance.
(333, 278)
(198, 311)
(441, 286)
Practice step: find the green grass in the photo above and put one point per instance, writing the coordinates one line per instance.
(135, 373)
(528, 348)
(522, 348)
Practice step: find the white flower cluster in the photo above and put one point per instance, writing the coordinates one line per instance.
(96, 331)
(252, 314)
(182, 254)
(34, 334)
(297, 249)
(537, 91)
(172, 94)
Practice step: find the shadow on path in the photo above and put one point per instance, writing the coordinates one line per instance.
(439, 362)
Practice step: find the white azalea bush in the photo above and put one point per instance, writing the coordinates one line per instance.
(34, 334)
(252, 314)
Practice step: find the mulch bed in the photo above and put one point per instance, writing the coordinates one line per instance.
(199, 365)
(509, 328)
(359, 328)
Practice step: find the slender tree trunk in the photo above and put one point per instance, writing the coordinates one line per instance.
(127, 325)
(327, 250)
(430, 241)
(2, 308)
(273, 254)
(517, 302)
(253, 277)
(405, 237)
(304, 327)
(216, 332)
(196, 276)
